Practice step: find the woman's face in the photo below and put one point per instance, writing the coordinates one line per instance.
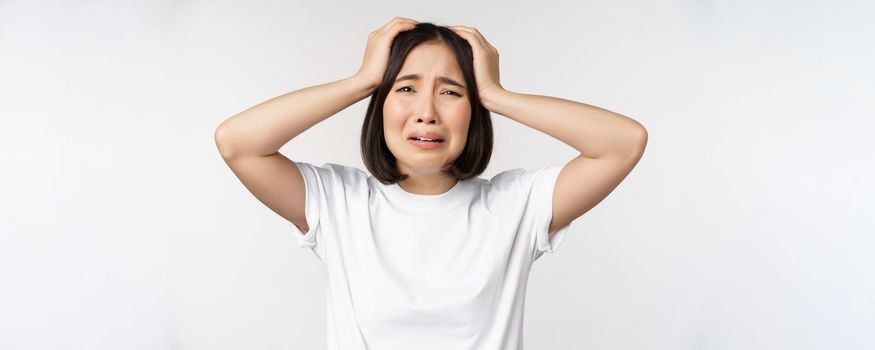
(432, 102)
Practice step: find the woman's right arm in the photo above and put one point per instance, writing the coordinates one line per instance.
(263, 129)
(250, 140)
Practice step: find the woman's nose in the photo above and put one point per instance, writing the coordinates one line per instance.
(427, 110)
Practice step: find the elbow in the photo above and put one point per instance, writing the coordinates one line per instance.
(637, 142)
(640, 142)
(642, 138)
(220, 138)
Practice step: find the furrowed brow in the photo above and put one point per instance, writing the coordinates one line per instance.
(441, 79)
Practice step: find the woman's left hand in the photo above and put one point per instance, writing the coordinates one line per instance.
(485, 60)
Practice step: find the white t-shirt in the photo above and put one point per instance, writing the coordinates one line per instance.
(409, 271)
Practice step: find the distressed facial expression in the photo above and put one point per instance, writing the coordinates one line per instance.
(428, 96)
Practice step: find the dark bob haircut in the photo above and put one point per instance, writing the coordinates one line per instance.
(478, 146)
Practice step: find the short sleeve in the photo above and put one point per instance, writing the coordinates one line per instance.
(314, 189)
(326, 198)
(539, 185)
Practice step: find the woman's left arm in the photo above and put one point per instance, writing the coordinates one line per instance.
(594, 132)
(610, 144)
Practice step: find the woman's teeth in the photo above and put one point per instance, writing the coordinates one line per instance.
(425, 139)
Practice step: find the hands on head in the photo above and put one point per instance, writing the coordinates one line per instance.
(374, 64)
(377, 51)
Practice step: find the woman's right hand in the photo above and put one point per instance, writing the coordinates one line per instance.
(377, 52)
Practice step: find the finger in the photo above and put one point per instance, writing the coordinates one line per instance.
(400, 20)
(393, 30)
(405, 21)
(471, 36)
(476, 33)
(396, 22)
(402, 26)
(472, 32)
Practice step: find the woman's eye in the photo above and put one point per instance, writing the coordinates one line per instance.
(450, 91)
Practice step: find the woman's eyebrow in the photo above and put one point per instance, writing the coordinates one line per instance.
(441, 79)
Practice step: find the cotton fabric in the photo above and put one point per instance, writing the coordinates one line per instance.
(410, 271)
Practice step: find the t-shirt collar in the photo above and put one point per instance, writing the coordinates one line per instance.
(420, 203)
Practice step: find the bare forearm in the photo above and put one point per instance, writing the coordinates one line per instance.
(594, 132)
(267, 126)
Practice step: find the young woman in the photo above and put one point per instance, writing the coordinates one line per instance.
(422, 253)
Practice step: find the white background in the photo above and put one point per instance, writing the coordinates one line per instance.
(746, 225)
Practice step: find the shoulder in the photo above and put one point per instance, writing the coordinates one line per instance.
(506, 178)
(333, 169)
(333, 174)
(503, 188)
(346, 170)
(521, 178)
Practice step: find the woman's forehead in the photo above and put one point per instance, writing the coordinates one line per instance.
(431, 60)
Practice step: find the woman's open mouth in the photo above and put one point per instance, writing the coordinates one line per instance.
(425, 143)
